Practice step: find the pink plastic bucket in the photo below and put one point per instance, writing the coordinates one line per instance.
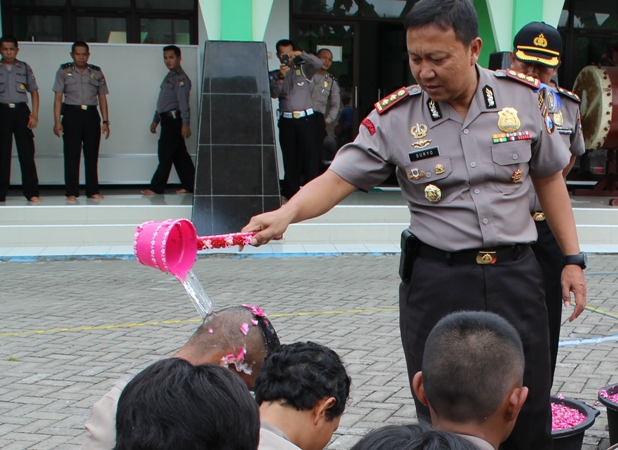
(170, 246)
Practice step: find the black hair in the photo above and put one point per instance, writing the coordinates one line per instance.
(9, 39)
(412, 437)
(284, 43)
(173, 405)
(173, 48)
(302, 374)
(324, 50)
(471, 361)
(456, 14)
(79, 44)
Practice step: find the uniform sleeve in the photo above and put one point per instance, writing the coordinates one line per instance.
(103, 90)
(313, 64)
(366, 162)
(156, 118)
(275, 86)
(183, 89)
(59, 83)
(30, 80)
(578, 146)
(334, 103)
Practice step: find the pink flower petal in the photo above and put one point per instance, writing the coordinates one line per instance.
(210, 330)
(244, 328)
(241, 354)
(254, 322)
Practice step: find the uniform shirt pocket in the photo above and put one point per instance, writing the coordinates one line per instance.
(436, 171)
(70, 80)
(511, 165)
(20, 82)
(95, 82)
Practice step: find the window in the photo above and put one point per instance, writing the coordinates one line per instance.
(114, 21)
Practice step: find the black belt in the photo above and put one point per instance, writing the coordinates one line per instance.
(13, 105)
(173, 114)
(477, 256)
(80, 107)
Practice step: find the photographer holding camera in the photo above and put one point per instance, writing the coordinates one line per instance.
(297, 132)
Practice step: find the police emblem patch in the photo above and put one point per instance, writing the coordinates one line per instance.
(508, 120)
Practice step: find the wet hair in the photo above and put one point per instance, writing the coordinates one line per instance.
(284, 43)
(445, 14)
(471, 361)
(80, 44)
(9, 39)
(173, 405)
(302, 374)
(412, 437)
(172, 48)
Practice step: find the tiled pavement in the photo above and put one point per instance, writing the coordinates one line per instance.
(69, 329)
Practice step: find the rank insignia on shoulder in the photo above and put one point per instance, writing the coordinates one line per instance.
(369, 125)
(93, 67)
(391, 100)
(66, 65)
(571, 95)
(521, 77)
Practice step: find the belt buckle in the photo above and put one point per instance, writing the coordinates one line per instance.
(12, 105)
(84, 107)
(297, 114)
(486, 257)
(538, 216)
(173, 113)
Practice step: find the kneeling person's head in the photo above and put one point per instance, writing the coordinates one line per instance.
(174, 405)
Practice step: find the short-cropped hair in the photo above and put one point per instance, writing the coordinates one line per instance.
(302, 374)
(284, 43)
(9, 39)
(174, 405)
(459, 15)
(412, 437)
(471, 361)
(80, 44)
(173, 48)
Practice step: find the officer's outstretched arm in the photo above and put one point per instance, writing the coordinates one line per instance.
(554, 198)
(314, 199)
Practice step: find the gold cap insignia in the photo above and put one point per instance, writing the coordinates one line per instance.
(540, 41)
(439, 169)
(419, 131)
(433, 193)
(508, 120)
(516, 176)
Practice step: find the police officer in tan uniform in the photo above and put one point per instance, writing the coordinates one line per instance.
(325, 94)
(536, 52)
(16, 79)
(79, 88)
(466, 144)
(174, 114)
(297, 131)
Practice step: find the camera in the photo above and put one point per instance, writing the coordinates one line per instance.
(285, 59)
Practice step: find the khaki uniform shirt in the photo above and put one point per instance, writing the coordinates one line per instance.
(174, 95)
(567, 122)
(16, 82)
(481, 175)
(101, 424)
(325, 94)
(272, 438)
(294, 92)
(80, 88)
(480, 443)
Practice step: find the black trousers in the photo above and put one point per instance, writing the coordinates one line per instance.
(172, 151)
(14, 121)
(514, 290)
(300, 153)
(81, 127)
(549, 256)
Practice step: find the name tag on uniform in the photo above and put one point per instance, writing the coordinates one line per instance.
(424, 154)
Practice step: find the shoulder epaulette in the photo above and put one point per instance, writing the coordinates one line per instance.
(521, 77)
(330, 75)
(571, 95)
(93, 67)
(394, 98)
(66, 65)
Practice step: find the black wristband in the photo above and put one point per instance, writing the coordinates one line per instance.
(580, 260)
(106, 122)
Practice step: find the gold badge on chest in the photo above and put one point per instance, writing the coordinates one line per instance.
(558, 119)
(433, 193)
(508, 120)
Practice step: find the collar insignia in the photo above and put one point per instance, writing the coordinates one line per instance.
(490, 100)
(434, 110)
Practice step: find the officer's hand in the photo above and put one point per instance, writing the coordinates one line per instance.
(284, 70)
(33, 122)
(186, 132)
(573, 281)
(58, 129)
(105, 130)
(153, 127)
(269, 225)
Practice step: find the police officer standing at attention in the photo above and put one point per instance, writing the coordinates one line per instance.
(16, 79)
(326, 98)
(82, 86)
(175, 117)
(297, 131)
(536, 52)
(466, 144)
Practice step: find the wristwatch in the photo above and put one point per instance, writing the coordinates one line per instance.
(580, 260)
(106, 122)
